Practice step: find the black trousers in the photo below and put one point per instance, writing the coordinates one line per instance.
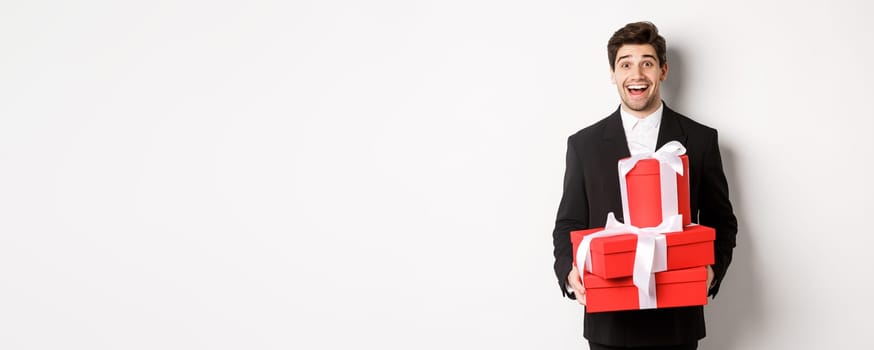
(693, 346)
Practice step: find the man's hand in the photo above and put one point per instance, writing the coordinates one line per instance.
(574, 281)
(709, 277)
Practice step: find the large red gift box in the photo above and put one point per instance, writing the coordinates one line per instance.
(645, 193)
(687, 287)
(613, 256)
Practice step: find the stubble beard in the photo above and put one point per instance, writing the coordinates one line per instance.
(639, 106)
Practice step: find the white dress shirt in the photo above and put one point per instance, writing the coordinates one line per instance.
(642, 133)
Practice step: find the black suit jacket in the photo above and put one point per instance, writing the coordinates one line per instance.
(591, 190)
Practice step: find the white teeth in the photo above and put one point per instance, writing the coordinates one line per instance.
(637, 87)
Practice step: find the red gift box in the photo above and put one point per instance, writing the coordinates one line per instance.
(644, 192)
(687, 287)
(613, 256)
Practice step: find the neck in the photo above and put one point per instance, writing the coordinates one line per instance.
(642, 113)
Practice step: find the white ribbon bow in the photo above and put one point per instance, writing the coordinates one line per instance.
(670, 164)
(650, 255)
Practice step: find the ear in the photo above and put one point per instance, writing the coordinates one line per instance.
(612, 76)
(664, 72)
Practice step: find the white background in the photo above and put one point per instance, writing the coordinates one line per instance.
(385, 174)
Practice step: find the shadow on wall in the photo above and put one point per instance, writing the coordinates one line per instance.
(736, 311)
(672, 91)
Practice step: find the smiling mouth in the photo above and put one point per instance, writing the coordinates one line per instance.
(636, 89)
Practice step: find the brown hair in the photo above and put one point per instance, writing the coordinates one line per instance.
(637, 33)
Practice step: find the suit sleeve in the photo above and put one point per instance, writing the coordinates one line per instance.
(572, 215)
(716, 211)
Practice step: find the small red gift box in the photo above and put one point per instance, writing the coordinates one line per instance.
(687, 287)
(644, 193)
(613, 256)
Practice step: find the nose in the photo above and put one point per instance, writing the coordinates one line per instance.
(636, 71)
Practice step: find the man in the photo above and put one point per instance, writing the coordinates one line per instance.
(642, 123)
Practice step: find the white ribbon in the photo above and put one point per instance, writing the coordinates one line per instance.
(650, 255)
(670, 164)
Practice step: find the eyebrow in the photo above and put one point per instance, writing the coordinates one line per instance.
(627, 56)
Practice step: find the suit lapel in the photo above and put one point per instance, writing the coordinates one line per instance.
(670, 129)
(614, 143)
(613, 148)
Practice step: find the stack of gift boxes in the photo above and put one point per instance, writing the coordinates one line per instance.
(657, 258)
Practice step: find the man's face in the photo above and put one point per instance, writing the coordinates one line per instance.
(637, 76)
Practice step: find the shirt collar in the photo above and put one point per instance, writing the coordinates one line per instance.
(630, 122)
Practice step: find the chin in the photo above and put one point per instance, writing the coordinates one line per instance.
(637, 106)
(640, 105)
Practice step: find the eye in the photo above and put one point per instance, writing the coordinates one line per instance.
(647, 64)
(624, 65)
